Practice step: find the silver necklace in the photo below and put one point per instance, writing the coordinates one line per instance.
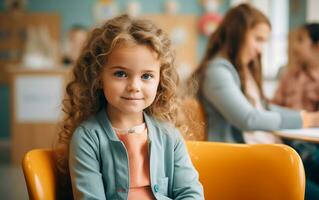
(135, 129)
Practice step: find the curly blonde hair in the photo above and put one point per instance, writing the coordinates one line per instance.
(84, 95)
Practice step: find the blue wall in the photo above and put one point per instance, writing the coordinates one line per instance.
(71, 11)
(4, 112)
(297, 13)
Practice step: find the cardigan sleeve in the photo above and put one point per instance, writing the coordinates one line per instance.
(84, 166)
(290, 118)
(186, 183)
(221, 90)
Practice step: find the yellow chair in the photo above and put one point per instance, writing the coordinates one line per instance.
(248, 172)
(40, 174)
(227, 172)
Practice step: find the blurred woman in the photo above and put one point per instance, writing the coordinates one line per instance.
(230, 86)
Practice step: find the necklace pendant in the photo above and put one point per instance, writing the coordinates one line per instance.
(131, 130)
(135, 129)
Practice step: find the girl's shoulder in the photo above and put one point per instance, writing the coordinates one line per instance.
(97, 128)
(87, 128)
(161, 130)
(90, 124)
(163, 126)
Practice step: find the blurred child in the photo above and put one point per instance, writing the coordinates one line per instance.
(299, 85)
(117, 140)
(76, 37)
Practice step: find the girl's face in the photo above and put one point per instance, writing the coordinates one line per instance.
(303, 49)
(130, 79)
(255, 40)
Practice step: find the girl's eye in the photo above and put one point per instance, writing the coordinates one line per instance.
(120, 74)
(147, 76)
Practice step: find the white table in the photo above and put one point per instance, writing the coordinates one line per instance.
(306, 134)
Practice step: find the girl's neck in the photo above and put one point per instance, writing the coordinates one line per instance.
(123, 120)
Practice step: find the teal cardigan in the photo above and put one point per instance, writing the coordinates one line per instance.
(229, 112)
(99, 165)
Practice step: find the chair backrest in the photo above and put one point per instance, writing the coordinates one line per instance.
(40, 174)
(227, 172)
(248, 172)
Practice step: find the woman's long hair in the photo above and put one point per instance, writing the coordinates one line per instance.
(230, 37)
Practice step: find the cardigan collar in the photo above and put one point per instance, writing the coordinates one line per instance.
(104, 121)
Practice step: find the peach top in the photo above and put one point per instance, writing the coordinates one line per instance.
(137, 148)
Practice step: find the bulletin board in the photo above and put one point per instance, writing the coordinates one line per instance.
(13, 28)
(182, 30)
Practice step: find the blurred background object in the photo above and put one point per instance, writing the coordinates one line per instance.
(40, 50)
(72, 47)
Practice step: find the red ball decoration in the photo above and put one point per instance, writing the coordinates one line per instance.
(208, 23)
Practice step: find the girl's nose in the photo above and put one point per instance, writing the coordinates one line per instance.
(134, 85)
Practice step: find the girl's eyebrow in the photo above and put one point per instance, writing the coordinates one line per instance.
(118, 67)
(148, 71)
(124, 68)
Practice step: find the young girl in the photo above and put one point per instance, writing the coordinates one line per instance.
(116, 142)
(230, 85)
(299, 86)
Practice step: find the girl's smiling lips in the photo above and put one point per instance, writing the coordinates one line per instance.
(131, 98)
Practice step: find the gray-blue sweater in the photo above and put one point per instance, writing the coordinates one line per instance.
(229, 112)
(99, 164)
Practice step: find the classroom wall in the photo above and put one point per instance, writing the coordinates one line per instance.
(4, 112)
(71, 11)
(85, 16)
(297, 13)
(312, 10)
(81, 12)
(4, 104)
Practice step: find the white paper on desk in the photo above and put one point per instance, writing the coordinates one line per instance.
(308, 132)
